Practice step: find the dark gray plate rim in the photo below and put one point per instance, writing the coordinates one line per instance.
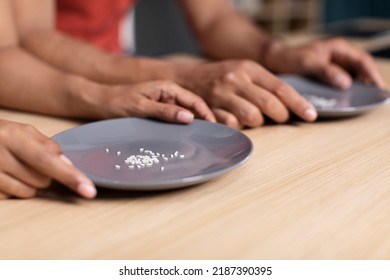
(150, 185)
(337, 111)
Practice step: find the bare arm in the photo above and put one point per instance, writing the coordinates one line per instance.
(28, 159)
(30, 84)
(222, 31)
(25, 82)
(239, 92)
(35, 23)
(7, 28)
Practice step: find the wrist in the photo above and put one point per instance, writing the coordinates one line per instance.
(184, 73)
(270, 54)
(142, 69)
(85, 98)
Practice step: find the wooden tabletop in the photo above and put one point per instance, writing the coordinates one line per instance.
(309, 191)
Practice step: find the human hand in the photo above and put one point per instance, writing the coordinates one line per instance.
(157, 99)
(241, 93)
(29, 161)
(334, 61)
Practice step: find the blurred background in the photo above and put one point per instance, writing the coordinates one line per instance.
(160, 28)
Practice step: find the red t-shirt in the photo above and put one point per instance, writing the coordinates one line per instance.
(95, 21)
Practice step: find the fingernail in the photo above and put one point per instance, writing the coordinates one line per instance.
(338, 80)
(66, 160)
(341, 81)
(310, 114)
(87, 190)
(185, 117)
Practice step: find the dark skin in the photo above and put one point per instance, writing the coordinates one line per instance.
(239, 87)
(29, 161)
(72, 95)
(225, 34)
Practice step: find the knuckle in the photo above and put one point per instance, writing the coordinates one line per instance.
(197, 99)
(52, 146)
(218, 94)
(43, 160)
(14, 130)
(68, 179)
(245, 64)
(199, 105)
(365, 59)
(163, 111)
(229, 77)
(281, 89)
(232, 122)
(141, 108)
(140, 103)
(4, 134)
(274, 109)
(29, 128)
(251, 116)
(165, 85)
(238, 65)
(338, 41)
(270, 105)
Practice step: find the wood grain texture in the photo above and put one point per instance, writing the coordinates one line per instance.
(309, 191)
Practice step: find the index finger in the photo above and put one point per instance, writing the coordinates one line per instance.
(48, 160)
(286, 94)
(358, 60)
(195, 103)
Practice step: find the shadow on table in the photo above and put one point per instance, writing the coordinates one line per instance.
(60, 193)
(296, 121)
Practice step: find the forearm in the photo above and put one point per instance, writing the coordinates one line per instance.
(222, 31)
(80, 58)
(29, 85)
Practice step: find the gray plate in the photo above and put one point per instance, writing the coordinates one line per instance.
(332, 102)
(183, 154)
